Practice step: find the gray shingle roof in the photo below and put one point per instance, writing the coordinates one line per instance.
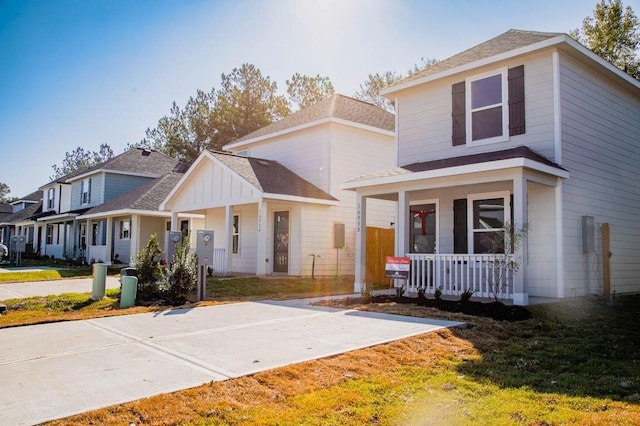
(6, 208)
(34, 196)
(271, 177)
(335, 106)
(465, 160)
(510, 40)
(135, 161)
(26, 213)
(145, 197)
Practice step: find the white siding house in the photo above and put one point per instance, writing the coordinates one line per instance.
(274, 201)
(526, 128)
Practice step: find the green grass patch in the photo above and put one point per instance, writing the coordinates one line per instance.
(50, 274)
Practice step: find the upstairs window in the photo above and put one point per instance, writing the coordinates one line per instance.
(85, 191)
(488, 108)
(51, 198)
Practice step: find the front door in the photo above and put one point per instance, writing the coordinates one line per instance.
(423, 228)
(281, 242)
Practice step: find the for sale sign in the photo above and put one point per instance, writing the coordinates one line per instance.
(397, 267)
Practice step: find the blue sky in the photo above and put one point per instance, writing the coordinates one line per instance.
(85, 72)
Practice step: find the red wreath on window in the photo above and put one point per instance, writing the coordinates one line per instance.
(422, 214)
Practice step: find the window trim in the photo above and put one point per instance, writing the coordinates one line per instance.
(471, 231)
(504, 80)
(85, 184)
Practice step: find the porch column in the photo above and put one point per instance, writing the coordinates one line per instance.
(64, 239)
(261, 257)
(559, 240)
(403, 224)
(228, 242)
(89, 240)
(134, 234)
(175, 223)
(109, 242)
(520, 295)
(36, 238)
(361, 244)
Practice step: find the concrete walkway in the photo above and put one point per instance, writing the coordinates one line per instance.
(45, 288)
(56, 370)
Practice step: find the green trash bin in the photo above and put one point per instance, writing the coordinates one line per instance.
(128, 291)
(98, 287)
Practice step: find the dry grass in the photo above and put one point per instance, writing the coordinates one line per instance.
(528, 373)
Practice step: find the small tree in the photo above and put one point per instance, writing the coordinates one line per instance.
(148, 267)
(182, 278)
(504, 247)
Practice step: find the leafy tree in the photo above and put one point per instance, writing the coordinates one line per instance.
(149, 270)
(246, 102)
(4, 192)
(186, 132)
(369, 90)
(183, 277)
(304, 90)
(80, 158)
(614, 34)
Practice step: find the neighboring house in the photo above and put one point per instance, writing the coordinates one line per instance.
(529, 128)
(274, 201)
(16, 220)
(110, 209)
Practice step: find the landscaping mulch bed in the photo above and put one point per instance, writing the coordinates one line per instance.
(495, 310)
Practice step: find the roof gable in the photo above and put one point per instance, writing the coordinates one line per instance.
(337, 107)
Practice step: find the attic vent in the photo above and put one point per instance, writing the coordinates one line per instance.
(146, 152)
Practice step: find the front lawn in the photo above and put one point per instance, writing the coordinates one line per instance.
(50, 274)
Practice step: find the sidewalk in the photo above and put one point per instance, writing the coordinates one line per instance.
(52, 371)
(45, 288)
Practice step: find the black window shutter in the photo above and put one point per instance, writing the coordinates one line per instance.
(460, 226)
(458, 123)
(516, 101)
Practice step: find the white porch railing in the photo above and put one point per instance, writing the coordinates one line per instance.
(453, 274)
(218, 260)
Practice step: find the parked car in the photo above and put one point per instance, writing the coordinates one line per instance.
(4, 251)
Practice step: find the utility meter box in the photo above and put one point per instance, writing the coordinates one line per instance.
(172, 239)
(204, 247)
(19, 243)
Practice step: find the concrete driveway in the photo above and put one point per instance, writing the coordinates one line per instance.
(56, 370)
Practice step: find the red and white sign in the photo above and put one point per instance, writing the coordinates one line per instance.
(397, 267)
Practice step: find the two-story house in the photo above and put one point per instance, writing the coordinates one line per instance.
(273, 200)
(527, 128)
(108, 211)
(16, 219)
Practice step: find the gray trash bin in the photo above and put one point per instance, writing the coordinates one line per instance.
(98, 287)
(128, 291)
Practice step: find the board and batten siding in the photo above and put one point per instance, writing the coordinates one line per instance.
(211, 185)
(424, 123)
(600, 147)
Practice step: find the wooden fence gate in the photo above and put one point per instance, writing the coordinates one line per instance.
(380, 244)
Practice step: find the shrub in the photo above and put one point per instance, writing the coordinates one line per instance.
(148, 269)
(182, 278)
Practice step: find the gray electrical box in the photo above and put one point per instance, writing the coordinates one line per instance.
(204, 247)
(172, 239)
(338, 235)
(588, 235)
(19, 243)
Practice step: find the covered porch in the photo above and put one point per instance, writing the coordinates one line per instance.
(450, 214)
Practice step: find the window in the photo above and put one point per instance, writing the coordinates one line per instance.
(487, 110)
(236, 235)
(125, 229)
(489, 216)
(51, 198)
(49, 234)
(85, 197)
